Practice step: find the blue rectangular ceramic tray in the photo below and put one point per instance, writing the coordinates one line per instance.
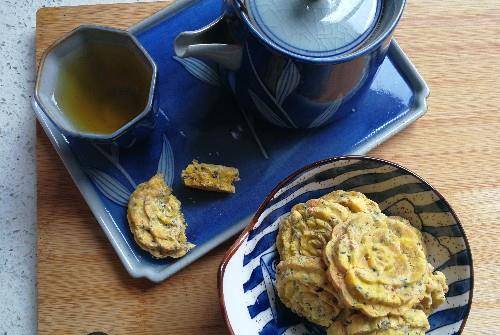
(198, 119)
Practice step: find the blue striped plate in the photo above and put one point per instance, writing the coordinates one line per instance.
(247, 276)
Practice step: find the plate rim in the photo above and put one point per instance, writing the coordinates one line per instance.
(243, 236)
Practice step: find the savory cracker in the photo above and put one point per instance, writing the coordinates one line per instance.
(435, 292)
(377, 264)
(210, 177)
(355, 201)
(303, 287)
(156, 221)
(411, 322)
(308, 227)
(347, 266)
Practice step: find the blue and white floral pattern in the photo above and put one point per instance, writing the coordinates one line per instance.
(111, 152)
(326, 115)
(111, 187)
(166, 162)
(289, 79)
(200, 70)
(266, 111)
(249, 275)
(287, 82)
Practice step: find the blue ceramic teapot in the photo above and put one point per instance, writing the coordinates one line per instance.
(297, 63)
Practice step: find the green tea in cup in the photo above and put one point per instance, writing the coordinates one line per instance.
(98, 83)
(101, 87)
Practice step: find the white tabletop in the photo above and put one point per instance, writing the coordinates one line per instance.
(17, 163)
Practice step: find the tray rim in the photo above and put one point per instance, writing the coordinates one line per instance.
(401, 61)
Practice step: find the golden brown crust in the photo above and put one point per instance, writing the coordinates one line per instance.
(377, 263)
(355, 201)
(340, 255)
(210, 177)
(302, 236)
(435, 292)
(303, 287)
(412, 322)
(308, 227)
(156, 221)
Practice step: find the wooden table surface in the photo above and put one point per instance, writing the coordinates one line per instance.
(82, 286)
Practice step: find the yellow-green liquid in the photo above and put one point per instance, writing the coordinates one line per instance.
(101, 87)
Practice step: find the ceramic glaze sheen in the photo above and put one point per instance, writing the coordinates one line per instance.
(296, 88)
(315, 27)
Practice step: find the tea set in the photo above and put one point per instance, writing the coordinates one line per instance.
(298, 64)
(268, 86)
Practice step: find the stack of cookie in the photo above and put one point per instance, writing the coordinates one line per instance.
(348, 267)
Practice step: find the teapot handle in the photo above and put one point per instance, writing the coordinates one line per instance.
(211, 42)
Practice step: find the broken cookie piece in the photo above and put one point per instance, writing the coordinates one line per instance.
(210, 177)
(156, 221)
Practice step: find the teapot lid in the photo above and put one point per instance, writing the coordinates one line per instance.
(315, 28)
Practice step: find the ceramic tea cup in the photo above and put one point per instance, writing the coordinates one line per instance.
(297, 63)
(98, 83)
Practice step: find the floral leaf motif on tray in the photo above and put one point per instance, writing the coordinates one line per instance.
(113, 156)
(166, 162)
(287, 82)
(290, 123)
(326, 115)
(200, 70)
(148, 123)
(109, 186)
(266, 111)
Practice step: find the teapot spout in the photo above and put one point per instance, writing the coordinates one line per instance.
(212, 42)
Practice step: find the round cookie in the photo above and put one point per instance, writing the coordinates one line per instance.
(355, 201)
(308, 227)
(435, 292)
(377, 264)
(303, 287)
(411, 322)
(156, 221)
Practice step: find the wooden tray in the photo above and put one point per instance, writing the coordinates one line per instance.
(83, 288)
